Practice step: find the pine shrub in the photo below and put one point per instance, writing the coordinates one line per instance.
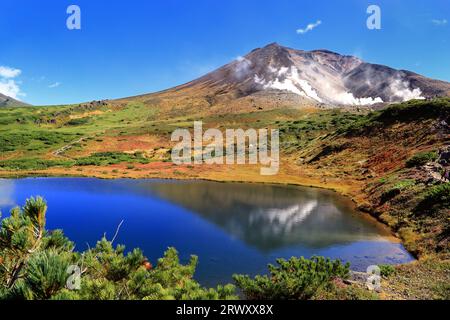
(296, 278)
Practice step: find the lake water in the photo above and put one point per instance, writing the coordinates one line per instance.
(233, 228)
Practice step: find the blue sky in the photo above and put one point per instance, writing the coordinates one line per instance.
(131, 47)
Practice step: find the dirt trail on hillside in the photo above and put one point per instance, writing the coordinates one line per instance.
(63, 149)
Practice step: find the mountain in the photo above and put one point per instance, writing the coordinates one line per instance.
(6, 101)
(275, 76)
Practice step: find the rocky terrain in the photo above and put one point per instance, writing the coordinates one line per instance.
(276, 77)
(6, 101)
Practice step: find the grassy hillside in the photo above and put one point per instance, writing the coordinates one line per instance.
(386, 160)
(375, 157)
(394, 153)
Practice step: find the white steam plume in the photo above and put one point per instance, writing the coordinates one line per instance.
(291, 82)
(401, 90)
(242, 67)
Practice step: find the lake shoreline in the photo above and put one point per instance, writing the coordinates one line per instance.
(430, 264)
(286, 194)
(358, 204)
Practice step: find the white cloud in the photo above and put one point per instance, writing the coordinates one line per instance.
(309, 27)
(55, 85)
(7, 72)
(438, 22)
(8, 86)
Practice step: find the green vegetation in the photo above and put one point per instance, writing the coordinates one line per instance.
(399, 196)
(33, 140)
(414, 110)
(297, 278)
(34, 164)
(404, 184)
(109, 158)
(297, 134)
(425, 279)
(37, 264)
(415, 209)
(441, 291)
(336, 292)
(78, 122)
(397, 189)
(435, 198)
(34, 264)
(387, 270)
(36, 131)
(421, 158)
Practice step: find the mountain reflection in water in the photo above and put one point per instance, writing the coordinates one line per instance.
(232, 227)
(270, 216)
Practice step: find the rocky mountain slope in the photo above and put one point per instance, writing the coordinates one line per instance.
(275, 76)
(6, 101)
